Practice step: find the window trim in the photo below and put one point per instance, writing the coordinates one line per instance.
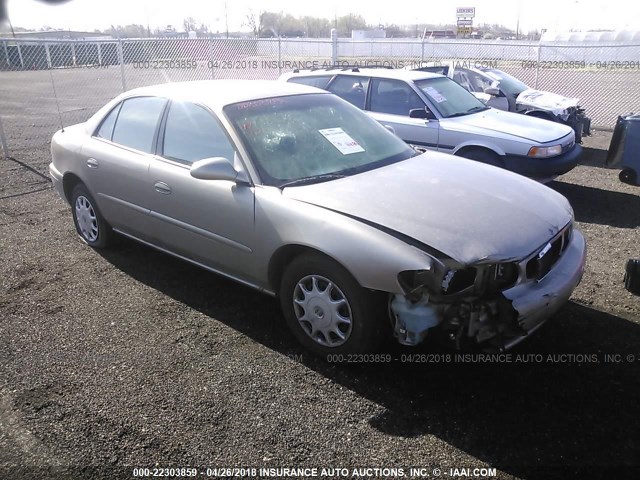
(104, 119)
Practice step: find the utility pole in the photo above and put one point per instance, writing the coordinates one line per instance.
(13, 34)
(518, 21)
(226, 19)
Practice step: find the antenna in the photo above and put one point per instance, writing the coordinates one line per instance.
(55, 95)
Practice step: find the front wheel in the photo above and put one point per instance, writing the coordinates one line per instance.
(327, 310)
(90, 225)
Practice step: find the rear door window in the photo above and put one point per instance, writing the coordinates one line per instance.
(351, 88)
(137, 123)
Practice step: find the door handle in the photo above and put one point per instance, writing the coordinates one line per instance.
(92, 163)
(162, 187)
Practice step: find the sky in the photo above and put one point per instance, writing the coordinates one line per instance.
(554, 15)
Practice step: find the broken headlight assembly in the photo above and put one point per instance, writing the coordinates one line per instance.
(456, 283)
(441, 283)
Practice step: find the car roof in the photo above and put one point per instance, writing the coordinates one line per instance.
(218, 93)
(392, 73)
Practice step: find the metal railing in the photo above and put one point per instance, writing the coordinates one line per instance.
(79, 76)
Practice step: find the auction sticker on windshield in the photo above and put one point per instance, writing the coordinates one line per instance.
(435, 94)
(341, 140)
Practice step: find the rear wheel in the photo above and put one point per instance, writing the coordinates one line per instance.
(90, 225)
(327, 310)
(628, 176)
(483, 155)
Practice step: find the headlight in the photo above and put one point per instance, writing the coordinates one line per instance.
(544, 152)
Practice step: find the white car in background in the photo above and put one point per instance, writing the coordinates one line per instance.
(432, 112)
(500, 90)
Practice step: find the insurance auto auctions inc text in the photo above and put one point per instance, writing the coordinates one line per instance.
(359, 472)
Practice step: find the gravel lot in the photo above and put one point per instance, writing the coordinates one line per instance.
(130, 358)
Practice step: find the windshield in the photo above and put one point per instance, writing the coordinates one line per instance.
(315, 137)
(449, 98)
(508, 84)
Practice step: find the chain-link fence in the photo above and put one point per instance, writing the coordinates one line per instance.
(46, 83)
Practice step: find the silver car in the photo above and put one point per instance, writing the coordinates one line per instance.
(432, 112)
(295, 192)
(500, 90)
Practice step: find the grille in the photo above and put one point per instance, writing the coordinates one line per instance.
(542, 262)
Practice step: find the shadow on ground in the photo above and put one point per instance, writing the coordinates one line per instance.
(593, 157)
(546, 417)
(604, 207)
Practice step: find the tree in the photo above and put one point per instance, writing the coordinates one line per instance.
(271, 23)
(291, 26)
(254, 22)
(347, 23)
(189, 24)
(128, 31)
(316, 27)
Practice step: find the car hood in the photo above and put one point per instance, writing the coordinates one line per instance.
(469, 211)
(547, 101)
(497, 123)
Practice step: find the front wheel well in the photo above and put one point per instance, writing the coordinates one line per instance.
(540, 114)
(283, 257)
(69, 182)
(482, 155)
(474, 148)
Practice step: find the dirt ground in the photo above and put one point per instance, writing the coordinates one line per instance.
(124, 358)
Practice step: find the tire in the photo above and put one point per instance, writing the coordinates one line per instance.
(628, 176)
(483, 155)
(309, 291)
(89, 222)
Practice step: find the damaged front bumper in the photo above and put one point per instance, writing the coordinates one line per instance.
(537, 301)
(576, 119)
(500, 320)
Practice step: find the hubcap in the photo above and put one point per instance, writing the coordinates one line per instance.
(86, 219)
(322, 310)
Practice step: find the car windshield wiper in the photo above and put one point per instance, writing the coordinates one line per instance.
(312, 179)
(479, 108)
(469, 112)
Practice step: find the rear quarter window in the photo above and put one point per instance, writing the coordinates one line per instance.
(106, 128)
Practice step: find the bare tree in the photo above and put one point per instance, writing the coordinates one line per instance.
(254, 22)
(189, 24)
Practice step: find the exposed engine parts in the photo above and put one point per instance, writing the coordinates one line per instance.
(461, 325)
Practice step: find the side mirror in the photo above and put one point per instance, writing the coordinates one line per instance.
(493, 91)
(217, 168)
(421, 113)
